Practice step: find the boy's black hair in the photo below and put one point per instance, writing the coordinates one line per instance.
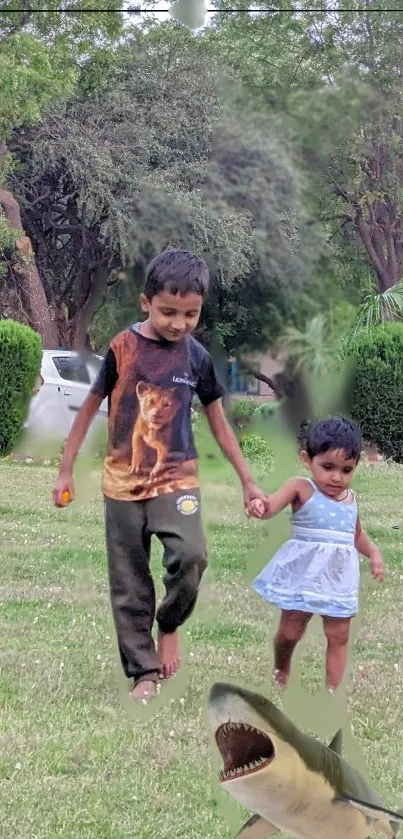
(178, 272)
(333, 433)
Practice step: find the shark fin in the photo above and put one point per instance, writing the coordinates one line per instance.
(372, 811)
(256, 828)
(336, 744)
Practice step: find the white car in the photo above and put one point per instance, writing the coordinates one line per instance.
(63, 384)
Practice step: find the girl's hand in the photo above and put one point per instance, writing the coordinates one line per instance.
(377, 566)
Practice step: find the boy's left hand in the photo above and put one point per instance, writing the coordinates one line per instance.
(251, 492)
(377, 566)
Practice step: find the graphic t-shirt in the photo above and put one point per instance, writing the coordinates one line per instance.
(150, 386)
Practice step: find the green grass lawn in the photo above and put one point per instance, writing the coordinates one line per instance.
(77, 759)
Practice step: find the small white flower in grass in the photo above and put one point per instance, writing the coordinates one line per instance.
(182, 701)
(18, 766)
(396, 666)
(360, 668)
(99, 657)
(172, 734)
(61, 665)
(37, 661)
(228, 659)
(191, 655)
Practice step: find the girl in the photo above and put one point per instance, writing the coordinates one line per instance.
(317, 570)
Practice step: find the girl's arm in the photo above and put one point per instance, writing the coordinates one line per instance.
(367, 548)
(277, 502)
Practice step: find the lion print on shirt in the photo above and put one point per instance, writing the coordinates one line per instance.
(153, 427)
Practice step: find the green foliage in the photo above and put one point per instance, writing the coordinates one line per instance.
(20, 363)
(242, 411)
(376, 401)
(8, 238)
(312, 349)
(378, 308)
(153, 154)
(267, 409)
(334, 81)
(257, 451)
(41, 53)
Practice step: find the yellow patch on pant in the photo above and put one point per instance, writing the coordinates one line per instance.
(187, 505)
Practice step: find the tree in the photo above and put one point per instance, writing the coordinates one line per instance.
(41, 52)
(335, 78)
(148, 156)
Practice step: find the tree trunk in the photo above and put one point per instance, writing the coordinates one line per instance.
(262, 378)
(93, 302)
(25, 272)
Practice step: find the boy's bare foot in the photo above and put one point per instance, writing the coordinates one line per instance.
(168, 654)
(280, 678)
(144, 690)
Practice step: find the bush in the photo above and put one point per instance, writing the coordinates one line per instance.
(267, 409)
(256, 450)
(376, 400)
(20, 363)
(243, 411)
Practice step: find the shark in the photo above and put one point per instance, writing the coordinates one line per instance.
(291, 782)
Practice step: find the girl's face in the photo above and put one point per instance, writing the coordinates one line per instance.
(332, 471)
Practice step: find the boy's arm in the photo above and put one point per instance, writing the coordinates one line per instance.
(101, 388)
(229, 445)
(367, 548)
(64, 481)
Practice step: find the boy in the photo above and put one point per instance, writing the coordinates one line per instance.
(150, 483)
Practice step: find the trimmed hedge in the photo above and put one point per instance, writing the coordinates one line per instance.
(20, 364)
(376, 397)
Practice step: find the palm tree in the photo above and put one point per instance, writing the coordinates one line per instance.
(379, 307)
(311, 350)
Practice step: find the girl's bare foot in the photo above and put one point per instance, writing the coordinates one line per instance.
(144, 690)
(168, 654)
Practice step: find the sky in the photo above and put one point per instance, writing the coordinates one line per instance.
(162, 4)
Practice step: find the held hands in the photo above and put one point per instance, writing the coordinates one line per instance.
(256, 503)
(260, 508)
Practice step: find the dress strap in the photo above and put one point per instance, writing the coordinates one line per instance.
(310, 481)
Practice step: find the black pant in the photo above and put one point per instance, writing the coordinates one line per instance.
(175, 518)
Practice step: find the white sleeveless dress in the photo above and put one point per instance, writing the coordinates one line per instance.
(317, 570)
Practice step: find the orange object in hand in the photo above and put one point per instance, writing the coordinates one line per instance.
(66, 497)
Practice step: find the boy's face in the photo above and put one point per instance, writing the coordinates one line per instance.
(332, 471)
(172, 316)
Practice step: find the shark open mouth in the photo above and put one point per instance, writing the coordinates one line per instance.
(243, 748)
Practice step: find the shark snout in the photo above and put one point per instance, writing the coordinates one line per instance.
(244, 746)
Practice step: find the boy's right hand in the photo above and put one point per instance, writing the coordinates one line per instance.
(64, 484)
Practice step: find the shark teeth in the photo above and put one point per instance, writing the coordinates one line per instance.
(244, 749)
(242, 770)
